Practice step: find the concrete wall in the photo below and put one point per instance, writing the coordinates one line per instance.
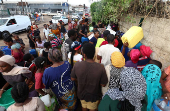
(156, 35)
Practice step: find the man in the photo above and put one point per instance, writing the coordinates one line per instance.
(89, 89)
(85, 29)
(105, 51)
(71, 39)
(52, 26)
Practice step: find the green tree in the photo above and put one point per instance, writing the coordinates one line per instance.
(109, 10)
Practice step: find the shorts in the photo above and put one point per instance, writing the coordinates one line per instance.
(89, 105)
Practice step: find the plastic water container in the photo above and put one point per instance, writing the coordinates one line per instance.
(133, 36)
(83, 39)
(6, 100)
(6, 50)
(155, 107)
(47, 100)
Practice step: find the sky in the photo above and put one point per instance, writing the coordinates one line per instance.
(72, 2)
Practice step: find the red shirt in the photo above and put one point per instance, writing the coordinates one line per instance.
(38, 81)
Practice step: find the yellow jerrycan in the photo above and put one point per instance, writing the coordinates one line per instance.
(133, 36)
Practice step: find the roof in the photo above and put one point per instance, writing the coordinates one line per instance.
(35, 1)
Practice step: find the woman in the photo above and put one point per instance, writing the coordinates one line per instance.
(145, 57)
(16, 50)
(152, 74)
(55, 42)
(75, 55)
(113, 71)
(129, 97)
(12, 73)
(57, 77)
(134, 55)
(20, 94)
(39, 43)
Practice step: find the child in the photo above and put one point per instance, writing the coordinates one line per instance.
(47, 46)
(28, 58)
(40, 63)
(93, 40)
(18, 40)
(39, 43)
(75, 55)
(46, 32)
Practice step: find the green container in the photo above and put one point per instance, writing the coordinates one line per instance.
(6, 100)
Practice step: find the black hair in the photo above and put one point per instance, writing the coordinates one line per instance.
(47, 44)
(106, 33)
(50, 22)
(20, 92)
(37, 32)
(95, 31)
(44, 24)
(100, 26)
(1, 53)
(93, 24)
(27, 57)
(8, 39)
(29, 30)
(71, 33)
(40, 61)
(86, 19)
(110, 38)
(89, 50)
(85, 42)
(155, 62)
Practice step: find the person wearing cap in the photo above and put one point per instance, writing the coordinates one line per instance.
(75, 56)
(12, 73)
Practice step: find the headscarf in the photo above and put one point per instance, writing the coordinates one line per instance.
(133, 85)
(56, 43)
(8, 59)
(16, 46)
(134, 55)
(17, 69)
(152, 74)
(55, 55)
(145, 50)
(117, 59)
(76, 45)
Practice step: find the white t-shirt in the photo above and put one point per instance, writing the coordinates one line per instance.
(40, 45)
(105, 52)
(76, 58)
(46, 32)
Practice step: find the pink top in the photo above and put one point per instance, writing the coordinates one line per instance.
(38, 81)
(167, 82)
(70, 26)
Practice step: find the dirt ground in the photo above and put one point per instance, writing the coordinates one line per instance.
(23, 35)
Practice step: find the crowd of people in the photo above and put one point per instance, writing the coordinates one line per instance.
(98, 73)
